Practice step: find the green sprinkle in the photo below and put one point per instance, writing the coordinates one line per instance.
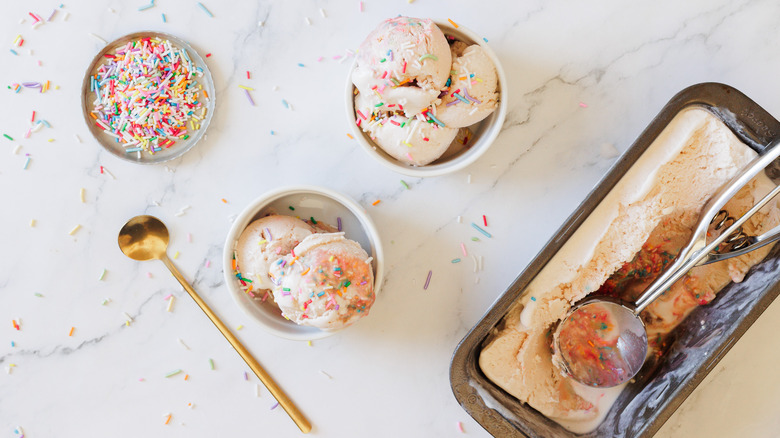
(383, 60)
(211, 363)
(428, 56)
(403, 183)
(475, 239)
(173, 373)
(313, 221)
(291, 208)
(455, 260)
(286, 289)
(347, 283)
(8, 137)
(38, 295)
(378, 105)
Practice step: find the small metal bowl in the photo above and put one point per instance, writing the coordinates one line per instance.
(110, 143)
(484, 132)
(309, 201)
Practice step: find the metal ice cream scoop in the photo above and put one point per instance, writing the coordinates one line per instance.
(603, 342)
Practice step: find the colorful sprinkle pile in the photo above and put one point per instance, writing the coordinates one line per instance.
(146, 95)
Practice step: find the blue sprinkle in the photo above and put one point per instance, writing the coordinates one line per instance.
(14, 52)
(272, 132)
(13, 344)
(484, 39)
(205, 9)
(533, 298)
(301, 65)
(164, 19)
(286, 105)
(455, 260)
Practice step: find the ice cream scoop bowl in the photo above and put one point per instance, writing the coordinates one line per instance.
(146, 238)
(603, 343)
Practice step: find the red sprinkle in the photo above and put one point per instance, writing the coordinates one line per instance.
(208, 55)
(404, 69)
(484, 220)
(247, 75)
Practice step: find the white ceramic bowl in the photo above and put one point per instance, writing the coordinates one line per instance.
(309, 201)
(485, 132)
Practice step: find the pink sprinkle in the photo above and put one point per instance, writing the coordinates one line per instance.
(360, 6)
(320, 58)
(208, 263)
(428, 280)
(189, 237)
(149, 274)
(582, 104)
(265, 297)
(409, 156)
(362, 116)
(460, 427)
(463, 248)
(167, 297)
(337, 57)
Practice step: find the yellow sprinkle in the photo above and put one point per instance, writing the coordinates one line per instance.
(309, 342)
(32, 222)
(170, 303)
(350, 136)
(81, 194)
(239, 327)
(246, 88)
(176, 255)
(73, 231)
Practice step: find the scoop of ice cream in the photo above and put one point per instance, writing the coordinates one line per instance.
(325, 282)
(459, 144)
(408, 140)
(404, 63)
(472, 94)
(265, 241)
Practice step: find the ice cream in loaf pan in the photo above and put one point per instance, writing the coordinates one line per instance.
(623, 244)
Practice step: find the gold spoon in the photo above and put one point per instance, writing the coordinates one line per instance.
(146, 238)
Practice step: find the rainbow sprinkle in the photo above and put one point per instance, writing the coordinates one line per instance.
(146, 95)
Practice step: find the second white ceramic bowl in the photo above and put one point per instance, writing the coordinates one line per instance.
(484, 132)
(308, 201)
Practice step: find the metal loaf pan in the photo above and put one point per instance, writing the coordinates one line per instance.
(695, 349)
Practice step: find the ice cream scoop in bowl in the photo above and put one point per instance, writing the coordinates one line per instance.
(391, 79)
(284, 237)
(603, 342)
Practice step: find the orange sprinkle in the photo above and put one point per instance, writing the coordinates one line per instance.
(207, 94)
(377, 202)
(223, 200)
(305, 272)
(93, 115)
(71, 331)
(234, 264)
(591, 343)
(168, 418)
(453, 23)
(350, 136)
(186, 376)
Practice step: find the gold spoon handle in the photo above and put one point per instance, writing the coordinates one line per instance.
(261, 374)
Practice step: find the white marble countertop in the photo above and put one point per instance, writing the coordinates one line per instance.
(582, 75)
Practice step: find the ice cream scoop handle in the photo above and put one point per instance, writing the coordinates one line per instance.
(261, 374)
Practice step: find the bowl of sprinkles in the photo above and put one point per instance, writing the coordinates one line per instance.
(318, 207)
(148, 97)
(391, 120)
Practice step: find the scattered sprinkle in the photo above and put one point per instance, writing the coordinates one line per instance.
(350, 136)
(173, 373)
(460, 427)
(428, 280)
(455, 260)
(165, 20)
(74, 229)
(326, 375)
(533, 298)
(102, 275)
(478, 228)
(360, 6)
(583, 105)
(168, 418)
(403, 183)
(376, 202)
(183, 344)
(484, 39)
(81, 195)
(211, 363)
(338, 223)
(306, 19)
(202, 6)
(322, 12)
(484, 220)
(170, 303)
(275, 405)
(71, 331)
